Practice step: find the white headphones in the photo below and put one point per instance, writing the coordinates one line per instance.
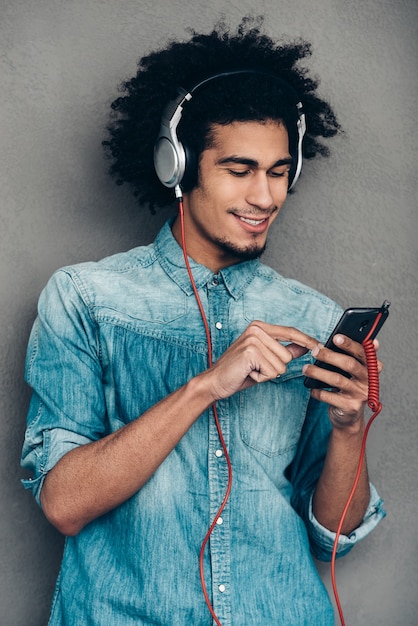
(175, 162)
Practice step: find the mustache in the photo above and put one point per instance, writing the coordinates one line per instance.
(252, 212)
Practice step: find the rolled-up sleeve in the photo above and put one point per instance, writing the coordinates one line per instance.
(39, 459)
(322, 539)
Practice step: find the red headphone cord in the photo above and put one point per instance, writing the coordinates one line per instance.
(215, 414)
(375, 405)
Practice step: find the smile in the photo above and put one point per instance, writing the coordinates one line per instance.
(252, 225)
(252, 222)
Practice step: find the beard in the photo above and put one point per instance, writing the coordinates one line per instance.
(247, 253)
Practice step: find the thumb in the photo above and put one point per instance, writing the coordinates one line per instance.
(295, 350)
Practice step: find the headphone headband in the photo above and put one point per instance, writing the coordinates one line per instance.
(174, 162)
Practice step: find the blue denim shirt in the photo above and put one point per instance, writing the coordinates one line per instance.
(112, 339)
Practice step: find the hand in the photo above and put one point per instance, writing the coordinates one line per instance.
(348, 396)
(255, 357)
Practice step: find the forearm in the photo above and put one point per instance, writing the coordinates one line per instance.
(337, 479)
(347, 399)
(95, 478)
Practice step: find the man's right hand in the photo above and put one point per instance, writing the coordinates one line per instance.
(255, 357)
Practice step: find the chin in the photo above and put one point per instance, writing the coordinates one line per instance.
(248, 253)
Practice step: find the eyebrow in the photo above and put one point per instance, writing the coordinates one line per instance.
(251, 162)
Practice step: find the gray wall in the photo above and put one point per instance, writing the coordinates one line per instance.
(350, 230)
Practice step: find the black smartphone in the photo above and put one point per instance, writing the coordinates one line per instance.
(356, 323)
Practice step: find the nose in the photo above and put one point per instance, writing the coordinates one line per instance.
(260, 192)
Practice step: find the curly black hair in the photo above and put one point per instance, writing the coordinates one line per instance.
(135, 118)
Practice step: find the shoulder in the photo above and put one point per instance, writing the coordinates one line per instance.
(120, 263)
(92, 281)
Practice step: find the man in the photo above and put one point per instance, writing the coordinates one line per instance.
(140, 417)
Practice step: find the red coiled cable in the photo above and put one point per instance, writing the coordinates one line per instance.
(375, 405)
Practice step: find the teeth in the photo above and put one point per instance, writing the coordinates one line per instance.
(251, 222)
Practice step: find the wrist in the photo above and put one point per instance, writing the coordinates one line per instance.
(344, 420)
(201, 390)
(348, 427)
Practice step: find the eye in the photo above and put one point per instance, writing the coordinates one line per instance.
(279, 173)
(239, 173)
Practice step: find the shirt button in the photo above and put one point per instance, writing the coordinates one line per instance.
(221, 588)
(218, 325)
(219, 521)
(215, 281)
(218, 453)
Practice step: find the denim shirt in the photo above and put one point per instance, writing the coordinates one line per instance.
(112, 339)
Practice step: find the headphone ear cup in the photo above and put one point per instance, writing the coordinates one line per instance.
(169, 161)
(189, 179)
(292, 171)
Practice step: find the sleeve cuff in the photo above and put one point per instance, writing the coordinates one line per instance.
(56, 443)
(322, 539)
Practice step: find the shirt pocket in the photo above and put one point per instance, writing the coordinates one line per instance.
(271, 414)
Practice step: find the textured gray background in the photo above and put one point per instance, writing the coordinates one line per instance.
(350, 230)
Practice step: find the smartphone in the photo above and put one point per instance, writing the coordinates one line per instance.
(356, 324)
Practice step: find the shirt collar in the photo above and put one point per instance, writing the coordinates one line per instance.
(170, 255)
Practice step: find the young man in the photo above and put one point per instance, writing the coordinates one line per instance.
(139, 415)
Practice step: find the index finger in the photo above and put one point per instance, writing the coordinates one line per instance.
(289, 334)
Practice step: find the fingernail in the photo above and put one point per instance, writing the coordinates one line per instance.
(316, 350)
(338, 340)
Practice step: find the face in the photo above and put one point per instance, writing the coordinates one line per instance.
(243, 182)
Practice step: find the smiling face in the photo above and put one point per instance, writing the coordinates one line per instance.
(243, 182)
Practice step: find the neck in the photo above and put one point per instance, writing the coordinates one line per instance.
(203, 256)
